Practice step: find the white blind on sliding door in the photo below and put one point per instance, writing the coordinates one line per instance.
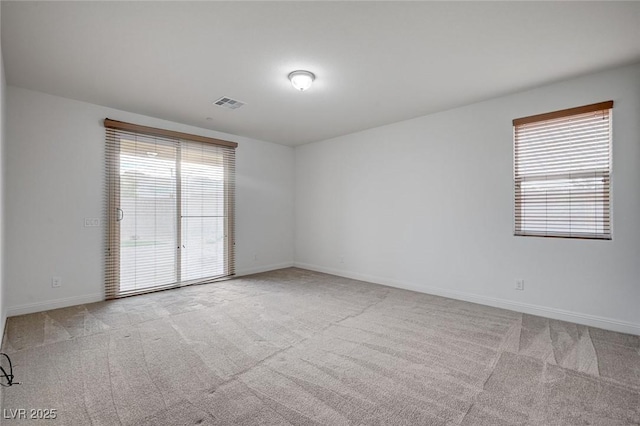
(207, 176)
(170, 209)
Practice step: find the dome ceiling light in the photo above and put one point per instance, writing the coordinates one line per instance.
(301, 80)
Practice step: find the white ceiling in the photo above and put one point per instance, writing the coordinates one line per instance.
(376, 63)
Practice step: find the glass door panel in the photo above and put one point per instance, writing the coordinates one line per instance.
(202, 213)
(148, 215)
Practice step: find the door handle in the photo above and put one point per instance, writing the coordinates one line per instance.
(120, 214)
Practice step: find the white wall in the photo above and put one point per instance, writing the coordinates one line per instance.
(3, 90)
(427, 204)
(55, 178)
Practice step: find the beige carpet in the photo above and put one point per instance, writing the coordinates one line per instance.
(304, 348)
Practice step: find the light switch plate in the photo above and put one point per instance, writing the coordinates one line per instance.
(91, 222)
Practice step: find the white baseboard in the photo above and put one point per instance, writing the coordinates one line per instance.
(30, 308)
(265, 268)
(543, 311)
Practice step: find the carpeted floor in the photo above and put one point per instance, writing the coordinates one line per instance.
(304, 348)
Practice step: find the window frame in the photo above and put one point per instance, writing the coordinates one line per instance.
(603, 220)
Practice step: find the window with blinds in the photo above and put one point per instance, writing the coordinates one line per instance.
(170, 209)
(562, 173)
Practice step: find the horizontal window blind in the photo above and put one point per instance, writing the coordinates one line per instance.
(207, 176)
(562, 173)
(170, 209)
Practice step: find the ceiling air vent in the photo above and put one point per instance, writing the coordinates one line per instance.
(229, 103)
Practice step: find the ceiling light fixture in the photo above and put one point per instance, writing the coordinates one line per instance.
(301, 80)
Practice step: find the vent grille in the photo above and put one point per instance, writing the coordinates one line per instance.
(228, 103)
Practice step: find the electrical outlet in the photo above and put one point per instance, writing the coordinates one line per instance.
(519, 284)
(56, 282)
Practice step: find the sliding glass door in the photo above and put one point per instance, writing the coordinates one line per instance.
(170, 212)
